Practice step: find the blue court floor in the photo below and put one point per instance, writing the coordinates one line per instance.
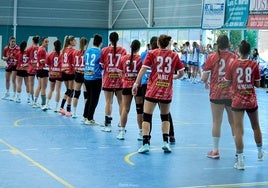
(47, 150)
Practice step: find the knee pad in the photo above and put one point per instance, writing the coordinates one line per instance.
(85, 95)
(77, 94)
(147, 117)
(67, 92)
(71, 93)
(139, 108)
(164, 117)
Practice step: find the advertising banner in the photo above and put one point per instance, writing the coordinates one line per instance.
(213, 14)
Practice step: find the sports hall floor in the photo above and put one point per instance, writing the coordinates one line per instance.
(47, 150)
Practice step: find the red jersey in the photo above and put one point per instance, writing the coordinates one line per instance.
(54, 65)
(130, 70)
(41, 59)
(32, 64)
(79, 61)
(22, 59)
(216, 64)
(67, 61)
(243, 74)
(163, 64)
(110, 61)
(10, 53)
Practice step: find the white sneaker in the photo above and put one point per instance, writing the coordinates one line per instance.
(44, 107)
(166, 147)
(107, 128)
(121, 135)
(90, 122)
(144, 149)
(35, 105)
(260, 155)
(83, 120)
(28, 100)
(6, 96)
(55, 110)
(240, 162)
(12, 98)
(18, 100)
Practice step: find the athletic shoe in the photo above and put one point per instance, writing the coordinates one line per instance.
(166, 147)
(239, 165)
(172, 140)
(35, 105)
(213, 154)
(90, 122)
(28, 100)
(260, 155)
(55, 109)
(18, 100)
(12, 98)
(74, 116)
(121, 135)
(140, 138)
(6, 96)
(68, 114)
(107, 128)
(83, 120)
(44, 107)
(144, 149)
(62, 111)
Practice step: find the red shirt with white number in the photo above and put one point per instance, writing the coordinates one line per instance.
(130, 70)
(112, 76)
(216, 64)
(41, 59)
(11, 53)
(32, 50)
(243, 74)
(22, 59)
(54, 65)
(67, 60)
(163, 64)
(79, 61)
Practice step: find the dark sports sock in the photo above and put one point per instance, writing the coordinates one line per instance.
(146, 139)
(165, 137)
(68, 108)
(171, 128)
(63, 103)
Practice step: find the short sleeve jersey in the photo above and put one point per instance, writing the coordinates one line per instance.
(22, 59)
(243, 74)
(216, 64)
(11, 53)
(41, 56)
(110, 61)
(163, 64)
(68, 61)
(32, 50)
(130, 70)
(79, 61)
(93, 69)
(54, 65)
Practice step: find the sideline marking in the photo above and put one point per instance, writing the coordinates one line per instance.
(233, 185)
(15, 151)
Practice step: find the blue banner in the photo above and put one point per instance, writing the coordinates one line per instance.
(237, 12)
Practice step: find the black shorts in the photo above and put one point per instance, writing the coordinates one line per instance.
(54, 79)
(67, 77)
(157, 100)
(79, 77)
(128, 91)
(42, 73)
(10, 69)
(226, 102)
(22, 73)
(111, 89)
(247, 110)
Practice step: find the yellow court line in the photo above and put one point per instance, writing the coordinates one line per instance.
(16, 123)
(36, 164)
